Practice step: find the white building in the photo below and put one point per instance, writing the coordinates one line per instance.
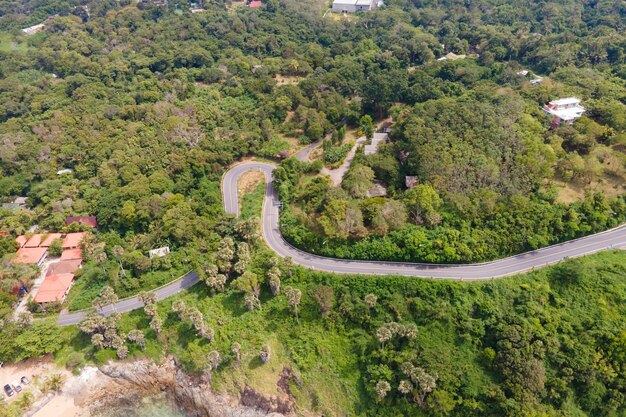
(566, 109)
(372, 148)
(34, 29)
(159, 252)
(351, 6)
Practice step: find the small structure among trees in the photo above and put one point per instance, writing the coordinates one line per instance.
(565, 109)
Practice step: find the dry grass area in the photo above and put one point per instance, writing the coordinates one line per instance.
(610, 186)
(351, 135)
(249, 181)
(610, 180)
(287, 79)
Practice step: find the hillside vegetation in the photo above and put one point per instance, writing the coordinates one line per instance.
(148, 105)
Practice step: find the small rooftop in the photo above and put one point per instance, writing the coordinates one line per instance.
(159, 252)
(30, 256)
(64, 267)
(565, 101)
(85, 220)
(54, 288)
(72, 254)
(34, 241)
(72, 240)
(377, 139)
(21, 240)
(49, 238)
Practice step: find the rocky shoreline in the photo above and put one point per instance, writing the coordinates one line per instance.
(127, 383)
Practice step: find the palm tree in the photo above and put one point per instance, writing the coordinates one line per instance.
(370, 300)
(383, 334)
(288, 262)
(118, 252)
(274, 280)
(101, 257)
(382, 389)
(138, 337)
(236, 348)
(293, 299)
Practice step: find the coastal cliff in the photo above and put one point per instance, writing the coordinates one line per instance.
(193, 395)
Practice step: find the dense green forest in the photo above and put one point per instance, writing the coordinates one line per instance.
(148, 105)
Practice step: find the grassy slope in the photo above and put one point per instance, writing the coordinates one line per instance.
(331, 355)
(252, 202)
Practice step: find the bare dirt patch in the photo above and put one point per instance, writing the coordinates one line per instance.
(249, 181)
(610, 186)
(287, 79)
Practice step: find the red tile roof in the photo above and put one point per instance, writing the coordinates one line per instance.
(21, 240)
(29, 255)
(86, 220)
(64, 267)
(54, 288)
(72, 240)
(255, 3)
(72, 254)
(49, 238)
(34, 241)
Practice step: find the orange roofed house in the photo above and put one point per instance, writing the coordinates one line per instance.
(54, 288)
(49, 238)
(34, 256)
(72, 240)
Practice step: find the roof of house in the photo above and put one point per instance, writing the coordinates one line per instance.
(72, 240)
(86, 220)
(64, 267)
(72, 254)
(21, 240)
(29, 255)
(565, 101)
(54, 288)
(159, 252)
(34, 241)
(49, 238)
(255, 3)
(569, 114)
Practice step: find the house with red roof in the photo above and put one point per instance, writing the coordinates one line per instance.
(84, 220)
(72, 254)
(255, 3)
(73, 240)
(64, 267)
(32, 256)
(34, 241)
(21, 240)
(49, 238)
(54, 288)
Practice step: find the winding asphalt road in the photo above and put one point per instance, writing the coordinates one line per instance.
(614, 238)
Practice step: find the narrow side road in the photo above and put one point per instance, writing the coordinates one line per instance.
(614, 238)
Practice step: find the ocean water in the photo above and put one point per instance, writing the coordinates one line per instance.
(148, 407)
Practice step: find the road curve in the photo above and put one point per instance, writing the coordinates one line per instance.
(614, 238)
(133, 303)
